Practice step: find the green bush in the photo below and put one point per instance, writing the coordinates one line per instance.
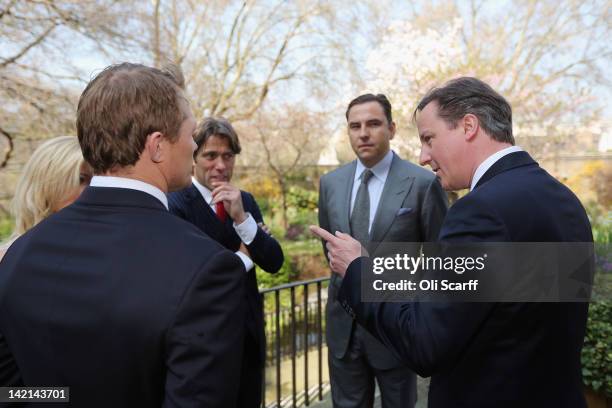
(301, 212)
(301, 198)
(601, 222)
(6, 228)
(285, 275)
(597, 350)
(602, 233)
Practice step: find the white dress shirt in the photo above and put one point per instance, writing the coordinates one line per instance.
(375, 185)
(132, 184)
(490, 161)
(245, 230)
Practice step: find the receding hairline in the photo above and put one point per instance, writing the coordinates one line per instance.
(469, 95)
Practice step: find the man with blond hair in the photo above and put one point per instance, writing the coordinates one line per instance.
(113, 296)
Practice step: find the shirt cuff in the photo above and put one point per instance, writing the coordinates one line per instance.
(247, 229)
(248, 263)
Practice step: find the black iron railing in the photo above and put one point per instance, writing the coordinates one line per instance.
(294, 330)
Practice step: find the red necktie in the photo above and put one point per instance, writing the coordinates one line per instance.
(220, 210)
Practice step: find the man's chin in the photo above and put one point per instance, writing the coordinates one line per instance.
(369, 159)
(211, 182)
(446, 186)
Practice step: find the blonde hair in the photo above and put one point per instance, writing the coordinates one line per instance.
(49, 176)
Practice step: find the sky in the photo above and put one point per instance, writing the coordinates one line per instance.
(89, 61)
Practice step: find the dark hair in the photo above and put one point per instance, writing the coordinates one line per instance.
(214, 126)
(464, 95)
(120, 107)
(380, 98)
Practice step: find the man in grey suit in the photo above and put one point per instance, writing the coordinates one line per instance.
(377, 198)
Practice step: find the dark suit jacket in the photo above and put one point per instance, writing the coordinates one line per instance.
(124, 303)
(265, 250)
(411, 209)
(484, 354)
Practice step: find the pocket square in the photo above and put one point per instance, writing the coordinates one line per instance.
(403, 211)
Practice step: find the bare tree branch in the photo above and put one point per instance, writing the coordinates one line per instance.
(156, 23)
(8, 150)
(39, 39)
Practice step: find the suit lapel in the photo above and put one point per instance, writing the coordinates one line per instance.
(207, 219)
(397, 186)
(199, 204)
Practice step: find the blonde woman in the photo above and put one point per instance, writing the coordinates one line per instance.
(53, 178)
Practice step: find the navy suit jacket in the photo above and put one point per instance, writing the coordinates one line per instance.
(265, 251)
(124, 303)
(493, 354)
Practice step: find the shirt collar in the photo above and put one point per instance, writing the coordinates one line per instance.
(380, 169)
(490, 161)
(129, 183)
(206, 193)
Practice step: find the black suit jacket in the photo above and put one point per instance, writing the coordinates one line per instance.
(484, 354)
(124, 303)
(265, 251)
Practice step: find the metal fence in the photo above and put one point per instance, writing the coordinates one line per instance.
(295, 331)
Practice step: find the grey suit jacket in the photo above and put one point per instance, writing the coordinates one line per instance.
(411, 209)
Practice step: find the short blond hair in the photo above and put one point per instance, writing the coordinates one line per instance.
(49, 176)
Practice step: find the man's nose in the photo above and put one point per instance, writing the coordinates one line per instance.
(220, 163)
(424, 157)
(364, 133)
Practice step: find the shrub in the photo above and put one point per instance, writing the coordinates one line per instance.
(602, 230)
(302, 199)
(6, 228)
(285, 275)
(295, 232)
(597, 350)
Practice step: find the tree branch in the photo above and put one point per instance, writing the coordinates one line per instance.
(8, 151)
(28, 47)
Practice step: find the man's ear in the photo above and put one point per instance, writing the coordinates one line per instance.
(392, 129)
(154, 146)
(470, 126)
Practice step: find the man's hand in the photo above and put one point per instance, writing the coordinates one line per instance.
(342, 249)
(232, 200)
(244, 249)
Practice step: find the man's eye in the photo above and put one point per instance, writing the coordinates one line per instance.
(228, 156)
(210, 156)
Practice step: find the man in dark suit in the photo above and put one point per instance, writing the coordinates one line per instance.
(482, 354)
(403, 203)
(113, 296)
(232, 218)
